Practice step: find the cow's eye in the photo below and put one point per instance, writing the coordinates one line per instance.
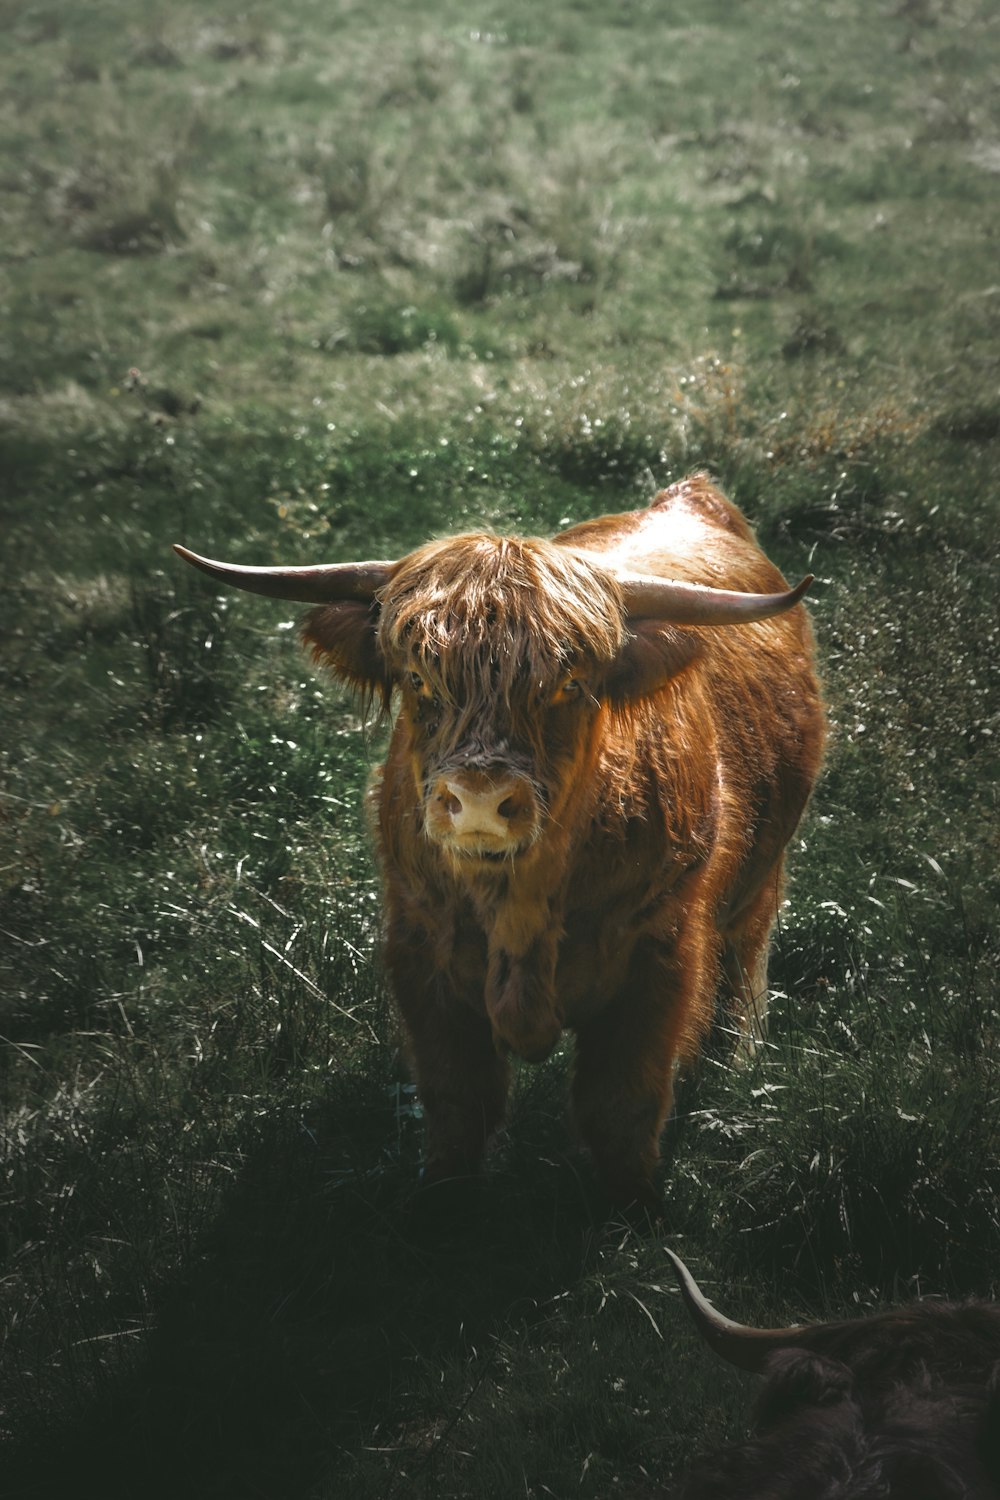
(416, 681)
(569, 688)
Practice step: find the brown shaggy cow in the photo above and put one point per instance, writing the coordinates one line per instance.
(904, 1405)
(604, 743)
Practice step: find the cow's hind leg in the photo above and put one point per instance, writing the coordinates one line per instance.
(744, 992)
(626, 1057)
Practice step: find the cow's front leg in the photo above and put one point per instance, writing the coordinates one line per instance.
(626, 1057)
(462, 1085)
(461, 1081)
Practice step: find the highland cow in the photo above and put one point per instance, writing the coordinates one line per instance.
(603, 745)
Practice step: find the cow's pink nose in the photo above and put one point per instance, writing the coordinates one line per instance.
(471, 805)
(488, 810)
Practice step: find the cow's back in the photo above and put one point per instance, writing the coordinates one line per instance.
(690, 532)
(756, 683)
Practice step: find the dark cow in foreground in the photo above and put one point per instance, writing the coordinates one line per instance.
(604, 743)
(904, 1405)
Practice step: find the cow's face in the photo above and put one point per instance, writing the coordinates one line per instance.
(493, 759)
(506, 654)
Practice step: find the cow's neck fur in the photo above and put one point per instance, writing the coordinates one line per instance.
(521, 909)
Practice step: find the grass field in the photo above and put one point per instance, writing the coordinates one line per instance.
(322, 280)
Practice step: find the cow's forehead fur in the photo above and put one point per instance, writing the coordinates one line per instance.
(482, 612)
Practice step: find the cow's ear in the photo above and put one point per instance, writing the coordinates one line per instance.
(798, 1379)
(342, 636)
(653, 654)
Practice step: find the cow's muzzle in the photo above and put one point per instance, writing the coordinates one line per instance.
(488, 814)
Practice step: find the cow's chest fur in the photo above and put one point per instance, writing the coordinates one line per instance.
(571, 944)
(555, 937)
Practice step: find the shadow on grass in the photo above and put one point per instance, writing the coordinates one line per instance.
(299, 1334)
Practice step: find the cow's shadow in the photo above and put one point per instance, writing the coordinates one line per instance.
(315, 1299)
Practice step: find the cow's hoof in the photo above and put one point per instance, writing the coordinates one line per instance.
(643, 1211)
(444, 1198)
(645, 1215)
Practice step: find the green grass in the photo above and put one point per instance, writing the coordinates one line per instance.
(323, 283)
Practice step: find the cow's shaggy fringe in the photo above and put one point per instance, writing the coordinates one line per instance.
(481, 613)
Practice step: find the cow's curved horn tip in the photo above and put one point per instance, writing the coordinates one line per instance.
(196, 560)
(675, 1259)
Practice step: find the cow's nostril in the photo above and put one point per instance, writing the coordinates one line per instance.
(451, 803)
(507, 808)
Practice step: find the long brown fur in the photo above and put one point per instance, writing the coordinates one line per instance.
(655, 775)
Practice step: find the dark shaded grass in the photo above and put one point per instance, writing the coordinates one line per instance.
(842, 1142)
(300, 1305)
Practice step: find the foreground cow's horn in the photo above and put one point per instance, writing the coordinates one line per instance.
(645, 595)
(649, 597)
(747, 1348)
(319, 585)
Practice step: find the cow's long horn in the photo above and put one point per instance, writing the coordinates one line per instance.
(649, 597)
(747, 1348)
(319, 585)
